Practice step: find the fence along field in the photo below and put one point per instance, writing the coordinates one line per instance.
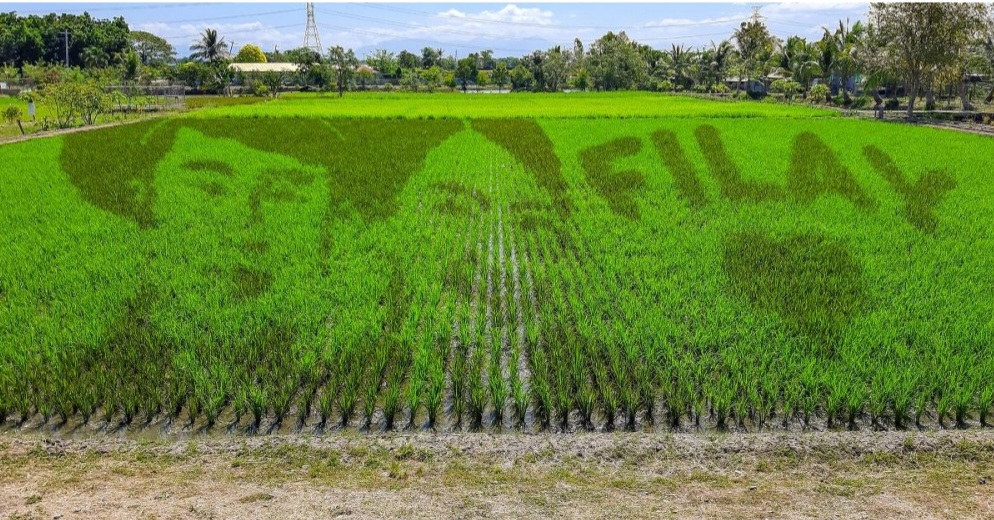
(562, 274)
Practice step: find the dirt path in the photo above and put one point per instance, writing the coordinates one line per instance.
(63, 131)
(946, 474)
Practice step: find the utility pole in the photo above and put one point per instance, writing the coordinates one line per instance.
(65, 32)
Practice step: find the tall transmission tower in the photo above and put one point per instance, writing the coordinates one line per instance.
(311, 39)
(756, 17)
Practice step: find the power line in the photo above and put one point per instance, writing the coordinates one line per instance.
(240, 31)
(213, 19)
(788, 22)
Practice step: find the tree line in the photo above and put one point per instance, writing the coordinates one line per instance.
(912, 50)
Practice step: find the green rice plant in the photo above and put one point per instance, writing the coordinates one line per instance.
(921, 198)
(816, 171)
(724, 169)
(498, 392)
(203, 265)
(519, 395)
(616, 187)
(350, 369)
(810, 280)
(477, 391)
(435, 390)
(720, 393)
(810, 383)
(684, 175)
(593, 106)
(195, 102)
(114, 168)
(856, 400)
(530, 145)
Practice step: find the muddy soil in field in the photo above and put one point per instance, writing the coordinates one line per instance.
(938, 474)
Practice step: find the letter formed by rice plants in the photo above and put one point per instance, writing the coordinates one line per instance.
(616, 187)
(811, 157)
(920, 198)
(684, 177)
(530, 145)
(733, 186)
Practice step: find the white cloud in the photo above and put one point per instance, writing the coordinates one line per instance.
(463, 29)
(687, 22)
(509, 13)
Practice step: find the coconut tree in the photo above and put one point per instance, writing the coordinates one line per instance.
(721, 57)
(799, 60)
(679, 60)
(95, 57)
(211, 48)
(844, 41)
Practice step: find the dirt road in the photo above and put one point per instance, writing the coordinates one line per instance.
(943, 474)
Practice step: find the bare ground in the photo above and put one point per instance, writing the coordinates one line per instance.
(939, 474)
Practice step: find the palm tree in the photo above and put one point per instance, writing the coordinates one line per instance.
(95, 57)
(210, 48)
(826, 59)
(844, 42)
(799, 59)
(679, 61)
(720, 54)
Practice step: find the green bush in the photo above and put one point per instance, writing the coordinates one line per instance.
(72, 99)
(12, 114)
(260, 90)
(789, 88)
(861, 102)
(892, 104)
(818, 94)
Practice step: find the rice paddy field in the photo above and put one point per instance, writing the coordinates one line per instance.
(572, 262)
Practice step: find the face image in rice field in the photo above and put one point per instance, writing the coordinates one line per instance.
(237, 236)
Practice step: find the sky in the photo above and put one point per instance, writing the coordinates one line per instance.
(509, 29)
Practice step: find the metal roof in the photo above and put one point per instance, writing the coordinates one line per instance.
(264, 67)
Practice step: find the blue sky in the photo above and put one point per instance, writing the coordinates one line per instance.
(510, 29)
